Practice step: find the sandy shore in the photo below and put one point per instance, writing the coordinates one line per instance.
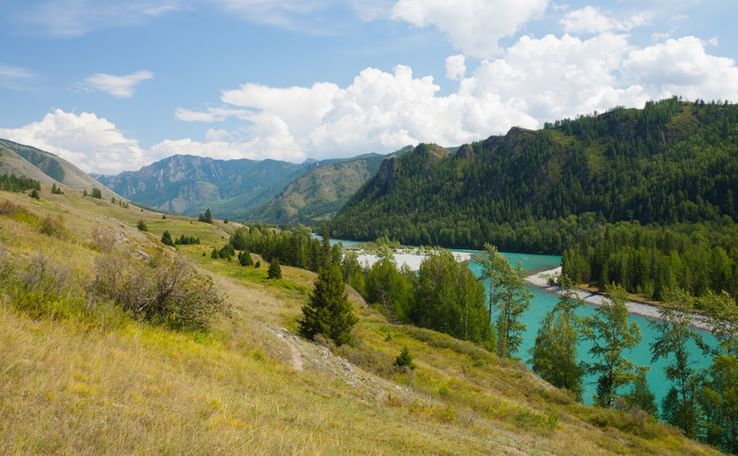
(410, 258)
(637, 308)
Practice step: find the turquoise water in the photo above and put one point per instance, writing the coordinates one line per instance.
(543, 302)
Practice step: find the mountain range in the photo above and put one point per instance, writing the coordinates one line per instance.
(267, 191)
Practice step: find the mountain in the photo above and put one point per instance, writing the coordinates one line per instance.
(187, 184)
(42, 166)
(267, 191)
(530, 190)
(319, 192)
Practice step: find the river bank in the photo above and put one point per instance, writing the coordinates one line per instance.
(649, 311)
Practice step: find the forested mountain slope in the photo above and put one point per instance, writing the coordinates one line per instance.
(320, 192)
(528, 190)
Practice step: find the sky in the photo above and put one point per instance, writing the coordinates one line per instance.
(116, 85)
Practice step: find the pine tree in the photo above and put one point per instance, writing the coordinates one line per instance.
(244, 258)
(328, 311)
(166, 239)
(142, 227)
(35, 194)
(275, 270)
(555, 350)
(610, 335)
(405, 359)
(207, 217)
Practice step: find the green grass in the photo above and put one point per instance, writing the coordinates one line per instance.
(71, 386)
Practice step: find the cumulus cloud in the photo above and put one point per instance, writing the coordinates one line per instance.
(117, 86)
(535, 80)
(455, 67)
(93, 143)
(592, 20)
(473, 26)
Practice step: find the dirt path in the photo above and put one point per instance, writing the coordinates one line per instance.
(297, 361)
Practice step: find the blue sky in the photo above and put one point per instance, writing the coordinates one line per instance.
(115, 85)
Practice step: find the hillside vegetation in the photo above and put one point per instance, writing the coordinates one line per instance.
(80, 376)
(318, 193)
(543, 190)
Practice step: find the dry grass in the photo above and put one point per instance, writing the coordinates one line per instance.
(68, 387)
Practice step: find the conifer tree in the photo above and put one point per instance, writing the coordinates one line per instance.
(35, 194)
(275, 270)
(166, 239)
(142, 227)
(611, 335)
(328, 311)
(244, 258)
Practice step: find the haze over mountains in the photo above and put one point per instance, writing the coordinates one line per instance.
(269, 191)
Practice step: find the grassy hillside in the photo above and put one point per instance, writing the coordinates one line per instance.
(539, 190)
(319, 192)
(97, 382)
(42, 166)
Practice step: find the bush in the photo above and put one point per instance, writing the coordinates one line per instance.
(53, 227)
(103, 239)
(187, 240)
(164, 290)
(35, 194)
(56, 190)
(96, 193)
(258, 264)
(405, 359)
(142, 226)
(275, 270)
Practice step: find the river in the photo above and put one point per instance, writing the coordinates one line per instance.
(544, 301)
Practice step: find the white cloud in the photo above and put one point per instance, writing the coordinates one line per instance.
(14, 77)
(211, 114)
(455, 67)
(69, 18)
(592, 20)
(88, 141)
(281, 13)
(535, 80)
(473, 26)
(117, 86)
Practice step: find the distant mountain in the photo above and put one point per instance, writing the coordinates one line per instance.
(42, 166)
(319, 192)
(267, 191)
(187, 184)
(670, 162)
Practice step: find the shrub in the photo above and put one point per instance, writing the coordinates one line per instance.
(53, 227)
(166, 239)
(103, 239)
(275, 270)
(56, 190)
(165, 290)
(257, 265)
(35, 194)
(142, 226)
(405, 359)
(96, 193)
(187, 240)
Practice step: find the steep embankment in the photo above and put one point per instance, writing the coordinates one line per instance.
(97, 382)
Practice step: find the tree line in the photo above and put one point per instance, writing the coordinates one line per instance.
(13, 183)
(651, 260)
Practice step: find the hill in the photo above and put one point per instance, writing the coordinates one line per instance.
(81, 377)
(537, 190)
(186, 184)
(319, 192)
(42, 166)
